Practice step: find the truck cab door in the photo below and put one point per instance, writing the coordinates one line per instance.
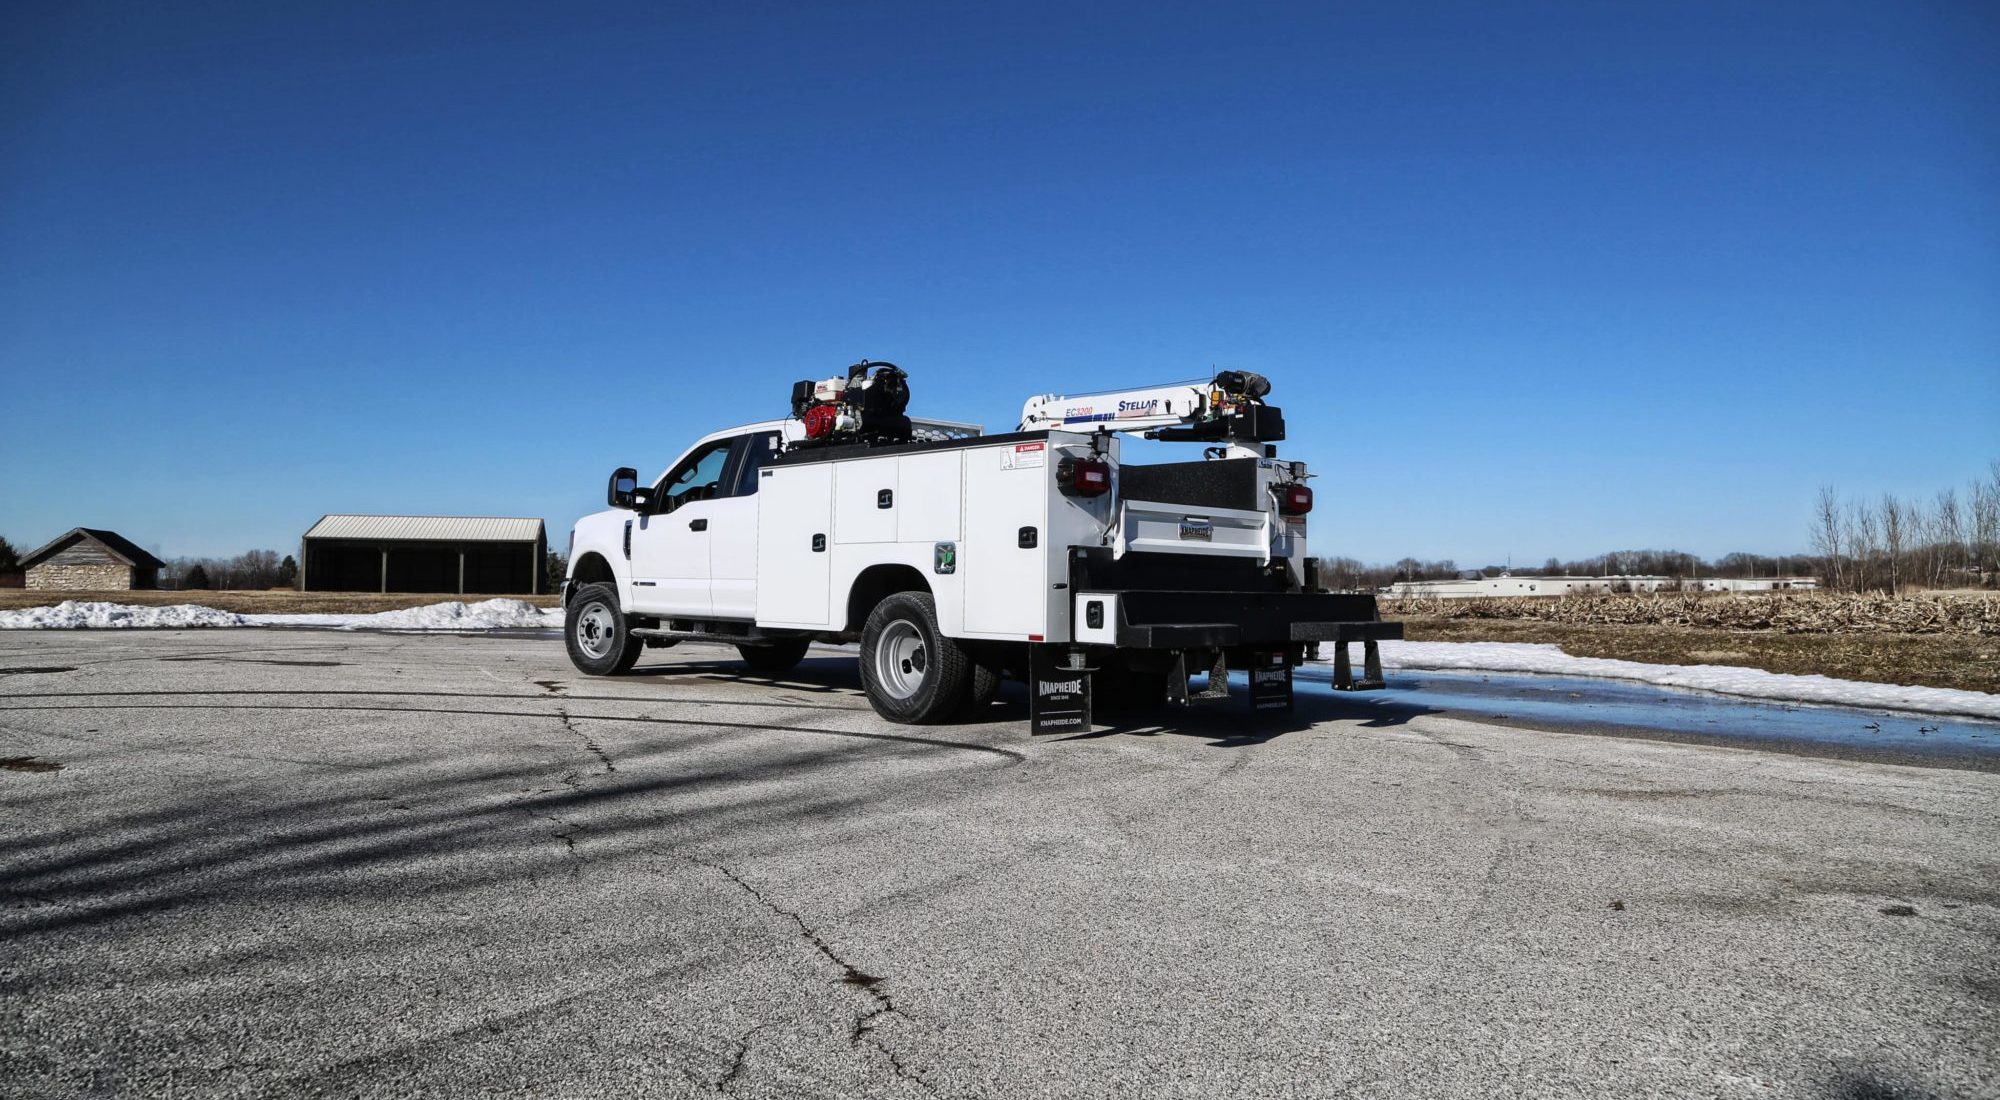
(732, 532)
(670, 551)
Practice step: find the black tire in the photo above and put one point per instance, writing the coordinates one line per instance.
(595, 632)
(985, 687)
(775, 658)
(913, 673)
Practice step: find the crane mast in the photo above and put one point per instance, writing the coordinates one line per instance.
(1228, 409)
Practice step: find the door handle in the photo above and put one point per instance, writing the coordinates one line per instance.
(697, 525)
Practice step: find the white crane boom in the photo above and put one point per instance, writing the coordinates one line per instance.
(1132, 410)
(1228, 409)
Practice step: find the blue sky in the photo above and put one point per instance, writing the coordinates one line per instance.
(1529, 279)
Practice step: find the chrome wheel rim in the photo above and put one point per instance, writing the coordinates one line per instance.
(595, 631)
(900, 659)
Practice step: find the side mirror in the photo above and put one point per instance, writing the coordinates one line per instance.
(623, 489)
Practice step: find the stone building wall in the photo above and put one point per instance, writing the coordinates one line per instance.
(54, 575)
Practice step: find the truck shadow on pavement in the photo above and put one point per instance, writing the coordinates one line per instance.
(1230, 723)
(1226, 723)
(827, 675)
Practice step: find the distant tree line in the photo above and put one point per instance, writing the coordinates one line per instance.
(1892, 543)
(1353, 575)
(1885, 545)
(248, 571)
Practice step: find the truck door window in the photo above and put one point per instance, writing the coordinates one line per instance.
(757, 450)
(698, 477)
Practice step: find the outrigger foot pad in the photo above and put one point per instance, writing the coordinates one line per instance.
(1216, 688)
(1371, 667)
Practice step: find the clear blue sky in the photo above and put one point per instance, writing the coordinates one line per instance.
(1530, 279)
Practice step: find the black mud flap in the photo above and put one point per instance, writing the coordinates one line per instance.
(1270, 681)
(1058, 696)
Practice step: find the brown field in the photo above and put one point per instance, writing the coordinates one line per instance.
(1950, 641)
(1936, 641)
(1970, 613)
(279, 600)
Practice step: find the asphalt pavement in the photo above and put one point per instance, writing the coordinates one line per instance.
(302, 863)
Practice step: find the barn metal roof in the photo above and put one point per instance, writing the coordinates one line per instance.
(427, 528)
(122, 548)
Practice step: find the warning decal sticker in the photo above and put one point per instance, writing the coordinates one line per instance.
(1024, 456)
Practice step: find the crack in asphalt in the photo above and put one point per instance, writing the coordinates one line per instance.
(589, 742)
(863, 1030)
(736, 1063)
(567, 830)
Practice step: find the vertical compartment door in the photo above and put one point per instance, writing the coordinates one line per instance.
(1004, 557)
(794, 545)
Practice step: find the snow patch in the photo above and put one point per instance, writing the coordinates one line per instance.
(82, 614)
(1535, 657)
(453, 615)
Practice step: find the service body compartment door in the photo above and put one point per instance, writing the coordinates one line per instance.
(864, 500)
(794, 532)
(928, 496)
(1005, 555)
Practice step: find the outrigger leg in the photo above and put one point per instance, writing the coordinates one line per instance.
(1371, 668)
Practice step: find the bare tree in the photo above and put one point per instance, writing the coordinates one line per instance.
(1895, 526)
(1864, 544)
(1829, 536)
(1944, 533)
(1983, 526)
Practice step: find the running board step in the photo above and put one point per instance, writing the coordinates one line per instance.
(732, 637)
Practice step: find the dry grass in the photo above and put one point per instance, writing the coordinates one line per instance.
(1785, 613)
(1947, 642)
(1956, 645)
(250, 603)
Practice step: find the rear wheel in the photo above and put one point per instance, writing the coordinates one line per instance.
(774, 658)
(911, 671)
(989, 668)
(596, 635)
(985, 686)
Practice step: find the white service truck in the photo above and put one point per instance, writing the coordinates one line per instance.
(956, 559)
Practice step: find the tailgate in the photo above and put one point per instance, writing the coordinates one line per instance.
(1181, 529)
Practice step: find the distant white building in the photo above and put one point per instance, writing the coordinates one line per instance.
(1751, 584)
(1509, 585)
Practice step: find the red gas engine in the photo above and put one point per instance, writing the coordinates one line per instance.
(865, 406)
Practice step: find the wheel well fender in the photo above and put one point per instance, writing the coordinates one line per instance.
(877, 583)
(591, 568)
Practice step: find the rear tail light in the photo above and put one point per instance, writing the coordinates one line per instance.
(1083, 477)
(1295, 500)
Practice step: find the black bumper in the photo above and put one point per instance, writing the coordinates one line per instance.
(1182, 620)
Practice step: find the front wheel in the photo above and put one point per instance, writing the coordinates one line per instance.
(596, 634)
(911, 671)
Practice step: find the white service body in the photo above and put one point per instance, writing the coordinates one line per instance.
(785, 545)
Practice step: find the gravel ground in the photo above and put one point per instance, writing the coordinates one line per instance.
(300, 863)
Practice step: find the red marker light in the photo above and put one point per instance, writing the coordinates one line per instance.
(1083, 477)
(1295, 500)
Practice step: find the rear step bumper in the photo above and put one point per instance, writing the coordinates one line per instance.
(1181, 620)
